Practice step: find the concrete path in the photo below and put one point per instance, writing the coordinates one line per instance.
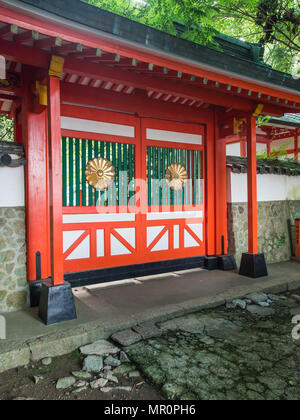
(105, 309)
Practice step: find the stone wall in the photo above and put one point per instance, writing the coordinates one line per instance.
(273, 233)
(13, 283)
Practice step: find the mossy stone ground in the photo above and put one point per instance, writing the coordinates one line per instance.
(258, 361)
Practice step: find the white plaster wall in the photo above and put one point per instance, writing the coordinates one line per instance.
(269, 188)
(12, 187)
(234, 149)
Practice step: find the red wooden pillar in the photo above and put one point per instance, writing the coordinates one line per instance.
(296, 147)
(252, 186)
(269, 149)
(56, 297)
(221, 196)
(210, 182)
(55, 178)
(243, 148)
(253, 264)
(34, 127)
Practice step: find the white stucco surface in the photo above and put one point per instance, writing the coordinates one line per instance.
(12, 187)
(269, 188)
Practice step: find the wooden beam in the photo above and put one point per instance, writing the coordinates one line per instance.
(35, 57)
(8, 30)
(136, 103)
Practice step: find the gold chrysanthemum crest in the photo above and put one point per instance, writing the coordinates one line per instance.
(176, 176)
(100, 173)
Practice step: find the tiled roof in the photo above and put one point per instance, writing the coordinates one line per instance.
(291, 120)
(264, 166)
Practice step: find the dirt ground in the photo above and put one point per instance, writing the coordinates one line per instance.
(19, 383)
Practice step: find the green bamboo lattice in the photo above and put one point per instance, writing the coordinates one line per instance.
(158, 160)
(76, 153)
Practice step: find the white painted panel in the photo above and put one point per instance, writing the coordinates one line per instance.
(12, 187)
(70, 237)
(117, 248)
(100, 243)
(175, 215)
(173, 136)
(233, 149)
(152, 233)
(198, 230)
(128, 234)
(98, 127)
(260, 147)
(189, 241)
(162, 244)
(98, 218)
(293, 188)
(176, 237)
(269, 188)
(82, 251)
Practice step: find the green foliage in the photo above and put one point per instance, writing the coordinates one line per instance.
(273, 23)
(277, 152)
(6, 128)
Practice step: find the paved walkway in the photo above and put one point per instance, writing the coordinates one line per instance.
(104, 310)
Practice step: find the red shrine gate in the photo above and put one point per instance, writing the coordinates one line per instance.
(138, 218)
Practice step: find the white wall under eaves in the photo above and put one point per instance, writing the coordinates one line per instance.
(12, 187)
(269, 188)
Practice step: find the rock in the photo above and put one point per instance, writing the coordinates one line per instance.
(237, 303)
(118, 388)
(93, 364)
(296, 298)
(124, 369)
(37, 379)
(47, 361)
(112, 361)
(82, 375)
(99, 348)
(207, 340)
(65, 383)
(81, 384)
(196, 324)
(259, 311)
(124, 358)
(78, 390)
(110, 377)
(134, 374)
(257, 297)
(295, 311)
(265, 304)
(99, 383)
(126, 337)
(147, 330)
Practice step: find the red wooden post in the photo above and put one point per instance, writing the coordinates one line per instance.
(296, 147)
(252, 186)
(55, 178)
(297, 238)
(253, 264)
(210, 182)
(221, 195)
(269, 151)
(35, 142)
(243, 149)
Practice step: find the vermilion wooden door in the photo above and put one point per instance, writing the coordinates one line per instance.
(174, 221)
(139, 218)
